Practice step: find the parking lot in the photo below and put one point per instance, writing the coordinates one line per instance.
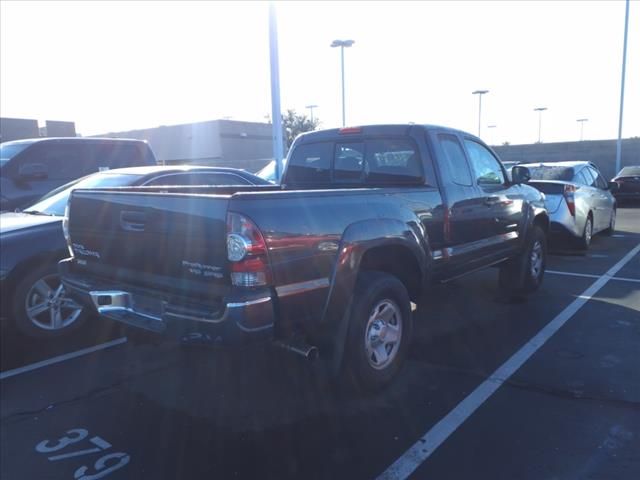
(547, 388)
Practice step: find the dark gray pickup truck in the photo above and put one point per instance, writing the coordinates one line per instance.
(326, 263)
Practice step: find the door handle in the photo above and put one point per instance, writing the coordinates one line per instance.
(133, 221)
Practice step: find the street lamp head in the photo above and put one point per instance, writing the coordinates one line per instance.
(480, 92)
(540, 109)
(342, 43)
(491, 126)
(582, 120)
(311, 106)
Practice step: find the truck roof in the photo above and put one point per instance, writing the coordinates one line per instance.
(381, 129)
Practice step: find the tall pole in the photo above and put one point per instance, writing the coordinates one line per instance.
(540, 110)
(344, 121)
(342, 44)
(276, 114)
(624, 65)
(479, 93)
(581, 122)
(311, 107)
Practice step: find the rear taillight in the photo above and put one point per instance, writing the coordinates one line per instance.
(350, 130)
(247, 252)
(570, 198)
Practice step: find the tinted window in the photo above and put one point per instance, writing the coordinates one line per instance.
(582, 179)
(349, 162)
(109, 155)
(62, 161)
(550, 172)
(591, 179)
(311, 163)
(599, 181)
(392, 161)
(455, 159)
(10, 150)
(486, 167)
(199, 179)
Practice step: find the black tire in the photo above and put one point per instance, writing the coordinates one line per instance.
(584, 241)
(518, 276)
(376, 289)
(612, 223)
(26, 292)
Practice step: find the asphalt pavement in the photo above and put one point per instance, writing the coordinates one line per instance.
(544, 389)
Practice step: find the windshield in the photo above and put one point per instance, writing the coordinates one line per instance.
(55, 202)
(549, 172)
(269, 171)
(10, 150)
(629, 172)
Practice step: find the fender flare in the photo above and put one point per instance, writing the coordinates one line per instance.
(357, 239)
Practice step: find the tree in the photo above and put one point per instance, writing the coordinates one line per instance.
(294, 124)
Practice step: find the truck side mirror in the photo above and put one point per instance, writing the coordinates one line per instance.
(613, 186)
(33, 171)
(520, 174)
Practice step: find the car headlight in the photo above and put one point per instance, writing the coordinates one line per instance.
(65, 229)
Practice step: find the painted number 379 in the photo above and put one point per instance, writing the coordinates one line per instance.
(102, 467)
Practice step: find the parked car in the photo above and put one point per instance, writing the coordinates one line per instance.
(628, 180)
(579, 200)
(327, 262)
(31, 168)
(32, 243)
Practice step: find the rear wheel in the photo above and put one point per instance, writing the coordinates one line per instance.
(380, 330)
(41, 307)
(523, 274)
(585, 240)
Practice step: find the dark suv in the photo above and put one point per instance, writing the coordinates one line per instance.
(31, 168)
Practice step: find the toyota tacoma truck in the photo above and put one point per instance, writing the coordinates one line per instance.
(325, 264)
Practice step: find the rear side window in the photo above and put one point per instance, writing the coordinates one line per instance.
(392, 161)
(62, 161)
(599, 181)
(455, 159)
(311, 163)
(582, 179)
(116, 155)
(591, 179)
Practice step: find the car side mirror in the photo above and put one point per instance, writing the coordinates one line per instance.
(33, 171)
(613, 186)
(520, 174)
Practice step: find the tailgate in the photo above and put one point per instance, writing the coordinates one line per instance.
(171, 242)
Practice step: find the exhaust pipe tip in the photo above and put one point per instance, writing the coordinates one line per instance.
(309, 352)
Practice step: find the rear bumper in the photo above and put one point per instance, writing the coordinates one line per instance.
(231, 321)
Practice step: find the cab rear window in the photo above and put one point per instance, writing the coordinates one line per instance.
(370, 161)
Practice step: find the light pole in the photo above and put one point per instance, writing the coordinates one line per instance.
(492, 126)
(539, 110)
(276, 112)
(581, 122)
(342, 44)
(624, 67)
(479, 93)
(311, 107)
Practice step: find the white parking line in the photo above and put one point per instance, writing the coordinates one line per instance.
(588, 275)
(61, 358)
(404, 466)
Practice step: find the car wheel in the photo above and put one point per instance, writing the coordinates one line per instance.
(612, 223)
(523, 275)
(41, 308)
(380, 331)
(585, 240)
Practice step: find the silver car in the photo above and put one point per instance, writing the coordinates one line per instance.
(578, 199)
